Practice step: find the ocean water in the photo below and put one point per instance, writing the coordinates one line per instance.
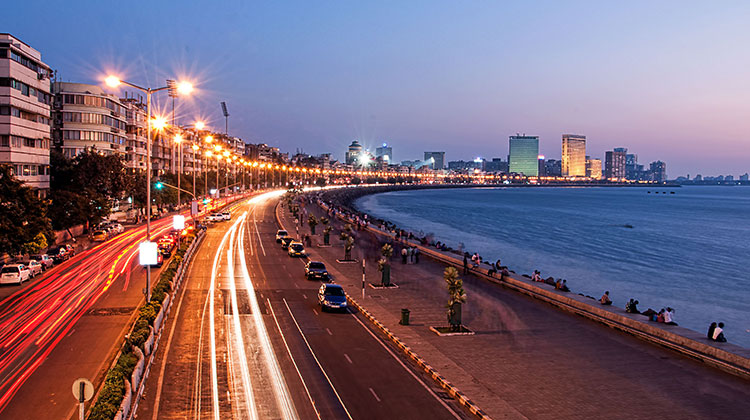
(689, 250)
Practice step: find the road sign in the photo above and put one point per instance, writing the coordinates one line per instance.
(147, 253)
(178, 222)
(193, 208)
(83, 389)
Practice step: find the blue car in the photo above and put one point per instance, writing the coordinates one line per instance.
(331, 296)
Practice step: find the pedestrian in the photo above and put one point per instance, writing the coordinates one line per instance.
(466, 263)
(411, 254)
(404, 254)
(605, 300)
(416, 255)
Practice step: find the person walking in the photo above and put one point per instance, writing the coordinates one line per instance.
(411, 254)
(404, 254)
(466, 263)
(416, 255)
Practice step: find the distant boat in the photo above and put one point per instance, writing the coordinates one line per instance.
(627, 225)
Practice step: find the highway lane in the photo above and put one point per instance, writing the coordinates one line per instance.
(247, 341)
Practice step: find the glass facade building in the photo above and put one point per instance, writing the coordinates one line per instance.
(573, 155)
(523, 155)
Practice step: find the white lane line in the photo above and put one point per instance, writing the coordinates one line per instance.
(262, 248)
(288, 350)
(443, 403)
(315, 312)
(304, 296)
(374, 394)
(283, 396)
(329, 331)
(316, 359)
(239, 341)
(346, 356)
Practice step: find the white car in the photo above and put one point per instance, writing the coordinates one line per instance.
(35, 267)
(45, 260)
(280, 234)
(14, 274)
(118, 227)
(215, 217)
(226, 215)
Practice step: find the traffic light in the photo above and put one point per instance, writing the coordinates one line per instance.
(206, 200)
(159, 185)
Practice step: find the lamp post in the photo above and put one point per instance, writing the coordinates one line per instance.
(195, 149)
(178, 140)
(183, 88)
(217, 149)
(209, 153)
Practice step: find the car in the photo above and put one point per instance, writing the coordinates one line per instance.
(226, 215)
(316, 270)
(58, 254)
(15, 274)
(35, 268)
(99, 236)
(285, 241)
(280, 234)
(331, 296)
(70, 249)
(296, 249)
(118, 228)
(215, 217)
(43, 259)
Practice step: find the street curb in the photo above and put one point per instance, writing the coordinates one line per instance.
(437, 377)
(454, 392)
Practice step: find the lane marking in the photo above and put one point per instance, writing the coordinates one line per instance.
(314, 311)
(374, 394)
(329, 331)
(346, 356)
(304, 296)
(316, 359)
(283, 338)
(418, 379)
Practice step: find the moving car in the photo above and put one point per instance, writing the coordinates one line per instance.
(280, 234)
(70, 249)
(44, 260)
(331, 296)
(296, 249)
(35, 268)
(99, 236)
(285, 241)
(14, 274)
(316, 270)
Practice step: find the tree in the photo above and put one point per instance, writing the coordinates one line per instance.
(456, 296)
(384, 265)
(24, 225)
(327, 235)
(312, 221)
(348, 239)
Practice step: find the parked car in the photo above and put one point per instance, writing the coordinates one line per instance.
(226, 215)
(331, 296)
(99, 236)
(280, 234)
(35, 268)
(58, 254)
(296, 249)
(118, 228)
(70, 249)
(285, 241)
(14, 274)
(215, 217)
(45, 260)
(316, 270)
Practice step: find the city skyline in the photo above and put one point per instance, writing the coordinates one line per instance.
(289, 80)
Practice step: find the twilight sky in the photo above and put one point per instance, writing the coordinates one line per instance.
(669, 80)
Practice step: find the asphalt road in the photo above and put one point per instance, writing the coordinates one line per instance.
(248, 340)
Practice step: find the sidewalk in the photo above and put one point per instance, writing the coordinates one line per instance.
(529, 359)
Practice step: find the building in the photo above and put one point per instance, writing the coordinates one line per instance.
(658, 171)
(593, 168)
(25, 101)
(435, 160)
(135, 117)
(85, 117)
(614, 163)
(353, 153)
(523, 156)
(573, 155)
(552, 167)
(384, 152)
(497, 165)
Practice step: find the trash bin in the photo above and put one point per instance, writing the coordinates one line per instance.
(404, 316)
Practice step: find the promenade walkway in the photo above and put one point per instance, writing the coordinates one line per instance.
(529, 359)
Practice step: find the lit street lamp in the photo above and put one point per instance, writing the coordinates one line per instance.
(183, 88)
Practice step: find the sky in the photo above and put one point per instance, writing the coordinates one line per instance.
(669, 80)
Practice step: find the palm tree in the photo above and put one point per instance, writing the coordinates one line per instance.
(312, 221)
(327, 235)
(456, 295)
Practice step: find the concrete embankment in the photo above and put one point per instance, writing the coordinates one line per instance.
(725, 356)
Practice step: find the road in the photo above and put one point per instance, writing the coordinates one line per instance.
(248, 341)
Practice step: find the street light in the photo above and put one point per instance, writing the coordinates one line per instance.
(178, 139)
(184, 88)
(199, 125)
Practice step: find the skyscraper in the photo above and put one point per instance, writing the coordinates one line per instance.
(523, 155)
(436, 160)
(386, 152)
(25, 113)
(593, 168)
(658, 171)
(352, 154)
(573, 155)
(614, 163)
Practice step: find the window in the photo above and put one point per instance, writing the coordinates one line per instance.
(29, 142)
(4, 141)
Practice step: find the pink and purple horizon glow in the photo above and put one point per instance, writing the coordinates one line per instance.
(668, 80)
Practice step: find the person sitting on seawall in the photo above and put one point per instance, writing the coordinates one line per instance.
(564, 286)
(711, 328)
(660, 316)
(605, 300)
(632, 307)
(669, 316)
(719, 333)
(537, 276)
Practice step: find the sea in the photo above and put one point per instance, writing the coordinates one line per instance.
(687, 248)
